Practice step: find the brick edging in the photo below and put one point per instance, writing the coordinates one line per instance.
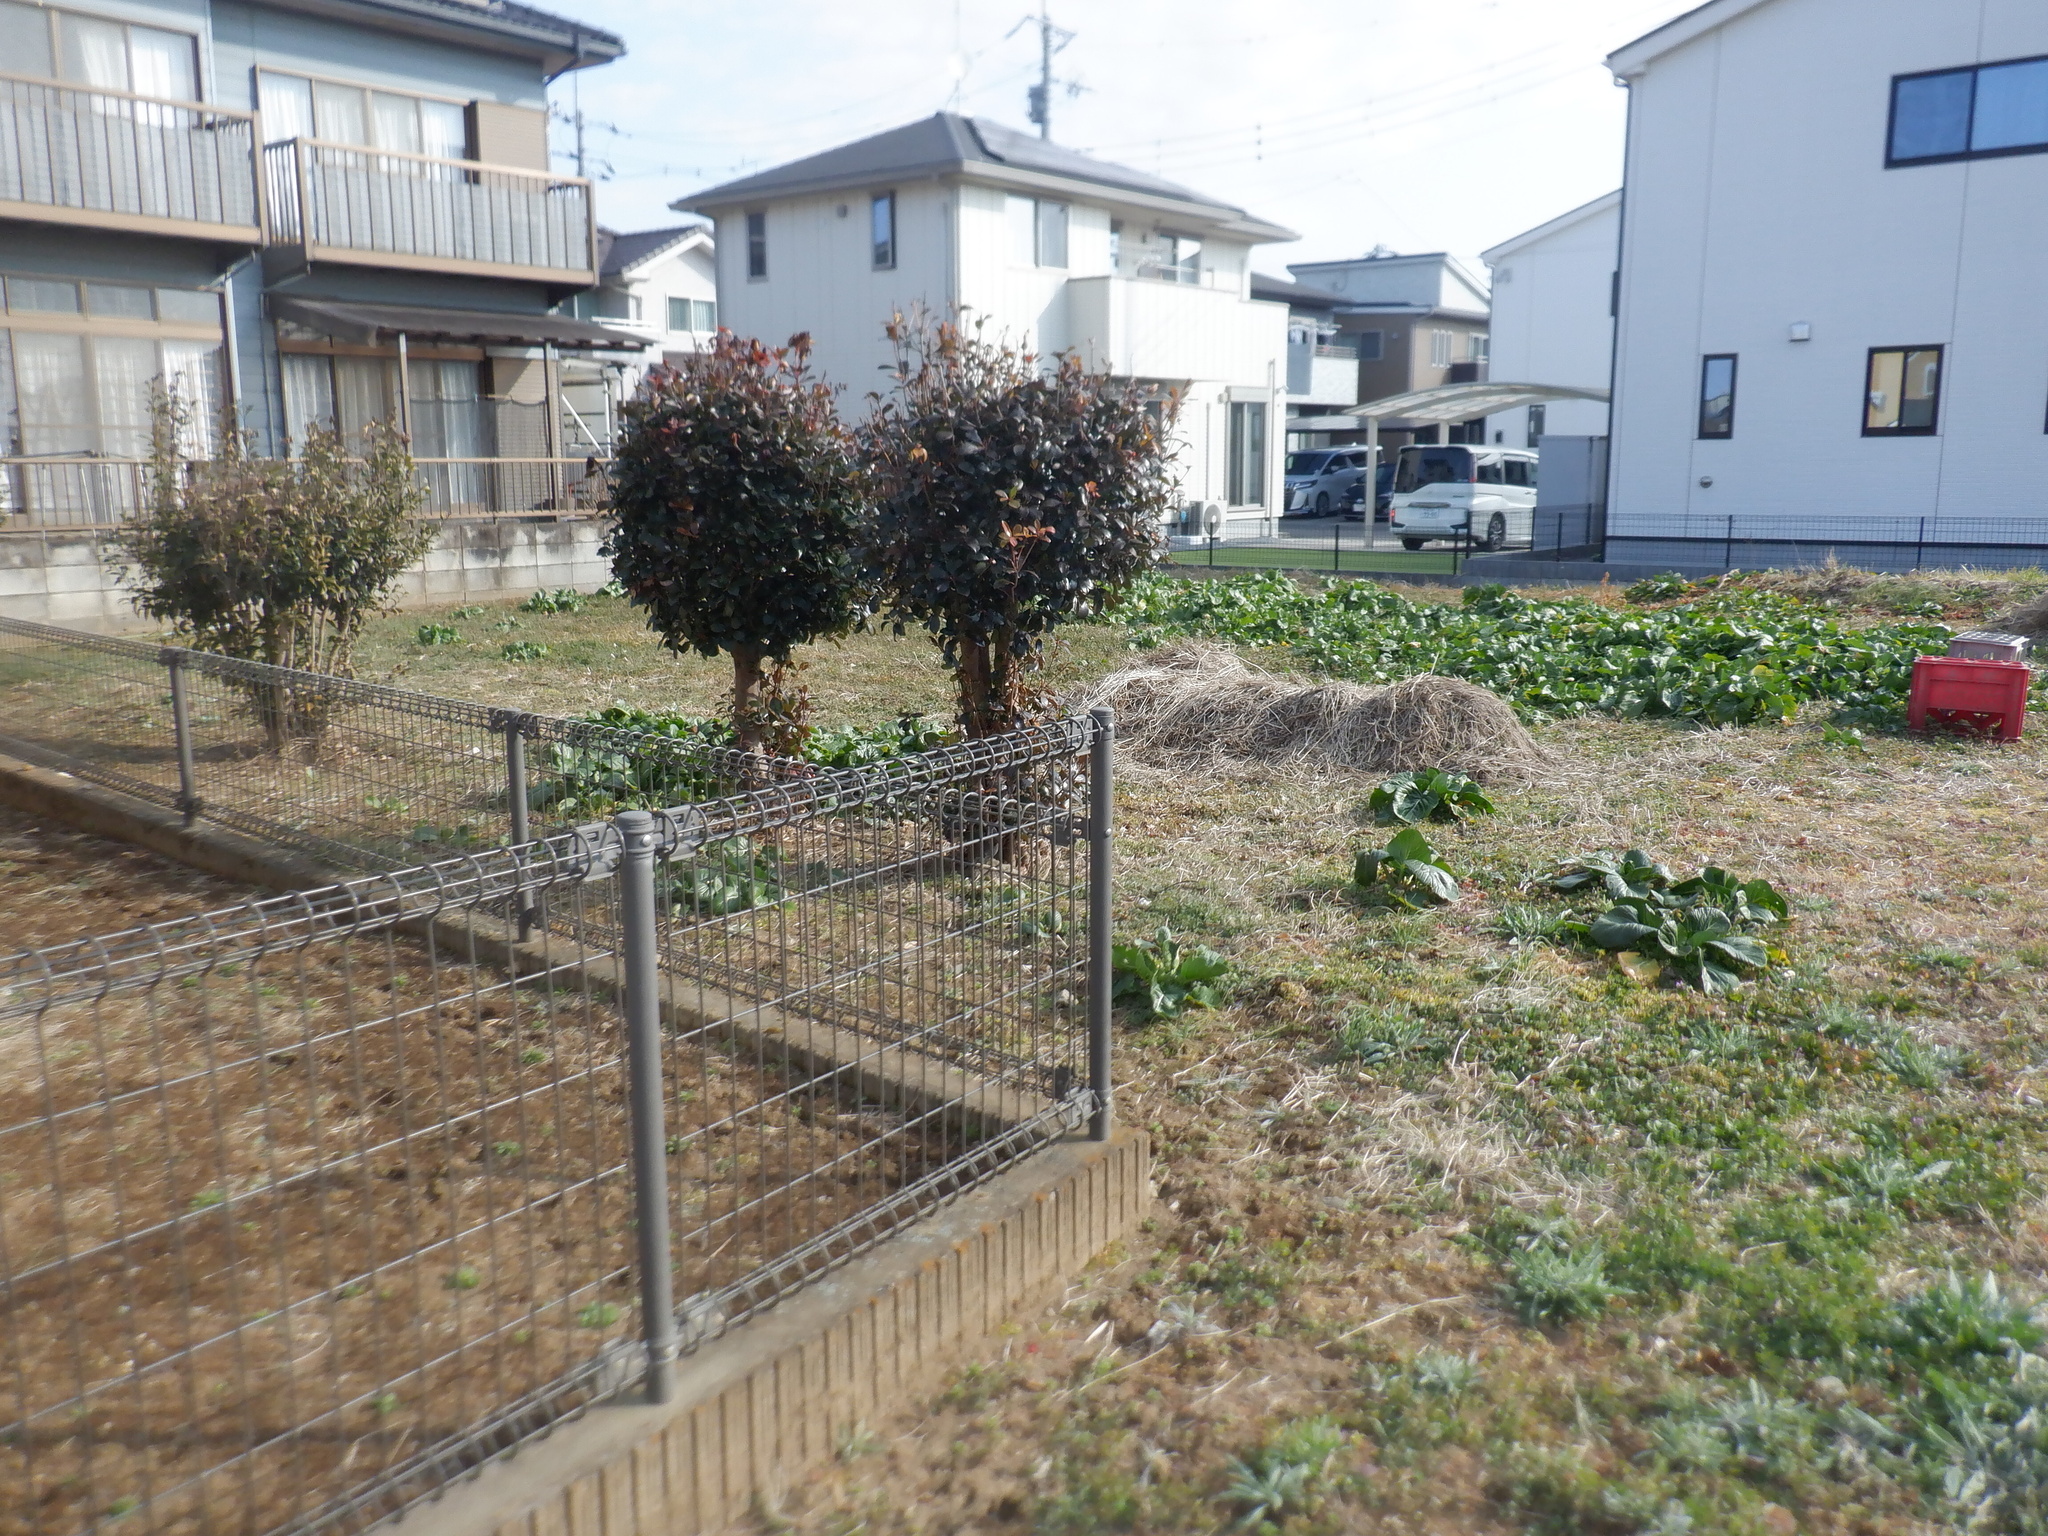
(761, 1405)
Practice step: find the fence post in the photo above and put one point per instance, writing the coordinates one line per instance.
(1728, 548)
(646, 1097)
(513, 723)
(1336, 547)
(1212, 551)
(1101, 967)
(1920, 552)
(173, 660)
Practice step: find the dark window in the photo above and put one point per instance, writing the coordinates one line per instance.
(1537, 415)
(1515, 472)
(757, 245)
(1717, 396)
(1372, 346)
(882, 221)
(1432, 466)
(1490, 473)
(1959, 114)
(1902, 392)
(1247, 468)
(1306, 463)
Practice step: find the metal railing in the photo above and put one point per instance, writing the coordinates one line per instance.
(317, 1204)
(359, 775)
(126, 156)
(62, 492)
(1733, 540)
(339, 198)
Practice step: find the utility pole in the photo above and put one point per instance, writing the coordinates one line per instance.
(1051, 40)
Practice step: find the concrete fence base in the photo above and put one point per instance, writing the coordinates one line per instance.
(75, 577)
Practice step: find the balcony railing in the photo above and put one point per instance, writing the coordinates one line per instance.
(114, 160)
(45, 494)
(338, 202)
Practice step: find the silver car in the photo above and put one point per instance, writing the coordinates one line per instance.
(1319, 480)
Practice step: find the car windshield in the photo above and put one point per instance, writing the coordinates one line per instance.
(1306, 463)
(1432, 466)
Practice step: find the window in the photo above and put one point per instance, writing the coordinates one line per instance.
(93, 51)
(1902, 392)
(1051, 233)
(1037, 230)
(692, 315)
(1247, 456)
(1515, 472)
(1962, 114)
(1116, 244)
(1479, 346)
(757, 245)
(1440, 349)
(882, 226)
(1490, 473)
(1537, 421)
(297, 107)
(1717, 396)
(1432, 465)
(1372, 346)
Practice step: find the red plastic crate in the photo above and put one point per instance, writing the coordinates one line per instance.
(1980, 696)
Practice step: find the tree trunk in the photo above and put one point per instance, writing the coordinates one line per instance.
(746, 681)
(976, 681)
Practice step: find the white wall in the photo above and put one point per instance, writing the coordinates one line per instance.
(1551, 324)
(1758, 197)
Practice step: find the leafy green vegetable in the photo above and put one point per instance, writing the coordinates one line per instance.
(561, 600)
(437, 634)
(1726, 657)
(727, 877)
(1428, 794)
(1408, 872)
(524, 650)
(1697, 930)
(1160, 977)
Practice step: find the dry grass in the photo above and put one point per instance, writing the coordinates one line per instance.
(1194, 703)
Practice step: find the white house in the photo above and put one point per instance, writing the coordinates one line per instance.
(659, 289)
(1056, 251)
(1833, 329)
(1553, 319)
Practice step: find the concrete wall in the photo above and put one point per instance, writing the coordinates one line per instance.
(1758, 197)
(74, 578)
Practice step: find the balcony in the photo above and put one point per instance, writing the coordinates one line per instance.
(380, 208)
(1321, 373)
(1145, 329)
(110, 160)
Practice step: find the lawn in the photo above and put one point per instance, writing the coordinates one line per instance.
(1461, 1226)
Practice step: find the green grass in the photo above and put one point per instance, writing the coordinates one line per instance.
(1306, 557)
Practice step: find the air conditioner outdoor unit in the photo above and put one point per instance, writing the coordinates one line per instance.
(1203, 519)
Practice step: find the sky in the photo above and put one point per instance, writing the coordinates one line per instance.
(1420, 125)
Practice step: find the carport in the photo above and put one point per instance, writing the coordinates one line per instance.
(1449, 403)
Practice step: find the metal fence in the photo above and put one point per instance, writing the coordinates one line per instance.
(60, 491)
(1333, 545)
(316, 1204)
(1697, 541)
(363, 776)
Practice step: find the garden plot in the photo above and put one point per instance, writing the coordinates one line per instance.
(280, 1230)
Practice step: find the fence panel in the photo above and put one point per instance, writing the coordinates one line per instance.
(315, 1204)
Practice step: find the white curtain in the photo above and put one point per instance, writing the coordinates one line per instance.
(308, 395)
(160, 64)
(95, 52)
(52, 394)
(287, 105)
(123, 368)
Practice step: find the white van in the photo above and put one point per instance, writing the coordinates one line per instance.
(1441, 492)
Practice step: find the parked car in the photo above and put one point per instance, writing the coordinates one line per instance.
(1354, 499)
(1449, 491)
(1318, 480)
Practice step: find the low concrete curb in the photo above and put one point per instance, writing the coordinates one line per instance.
(771, 1399)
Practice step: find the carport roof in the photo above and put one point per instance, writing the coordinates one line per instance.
(1463, 402)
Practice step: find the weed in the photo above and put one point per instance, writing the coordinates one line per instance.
(437, 634)
(1277, 1479)
(1955, 1319)
(532, 1056)
(1369, 1037)
(468, 611)
(1546, 1285)
(599, 1314)
(464, 1279)
(1440, 1373)
(524, 650)
(1523, 923)
(561, 600)
(384, 1404)
(506, 1151)
(206, 1200)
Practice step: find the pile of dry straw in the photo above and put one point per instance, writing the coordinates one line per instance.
(1196, 704)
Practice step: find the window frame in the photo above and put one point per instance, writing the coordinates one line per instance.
(1377, 341)
(882, 252)
(53, 16)
(1441, 342)
(1240, 458)
(1707, 361)
(1891, 122)
(756, 245)
(1933, 427)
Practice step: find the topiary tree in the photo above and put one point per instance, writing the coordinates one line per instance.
(739, 509)
(1010, 500)
(274, 560)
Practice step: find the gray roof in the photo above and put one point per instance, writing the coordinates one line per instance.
(947, 143)
(498, 26)
(619, 250)
(1295, 295)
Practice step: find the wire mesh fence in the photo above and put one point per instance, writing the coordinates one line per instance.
(363, 776)
(312, 1205)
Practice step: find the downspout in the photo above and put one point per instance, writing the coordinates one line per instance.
(231, 420)
(404, 391)
(1628, 133)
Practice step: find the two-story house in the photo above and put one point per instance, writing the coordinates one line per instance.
(1416, 322)
(1553, 319)
(1322, 364)
(1833, 315)
(1055, 250)
(659, 289)
(315, 211)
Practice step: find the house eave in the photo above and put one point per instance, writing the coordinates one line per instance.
(555, 49)
(1493, 255)
(1630, 60)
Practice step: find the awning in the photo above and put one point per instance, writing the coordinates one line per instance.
(375, 324)
(1466, 402)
